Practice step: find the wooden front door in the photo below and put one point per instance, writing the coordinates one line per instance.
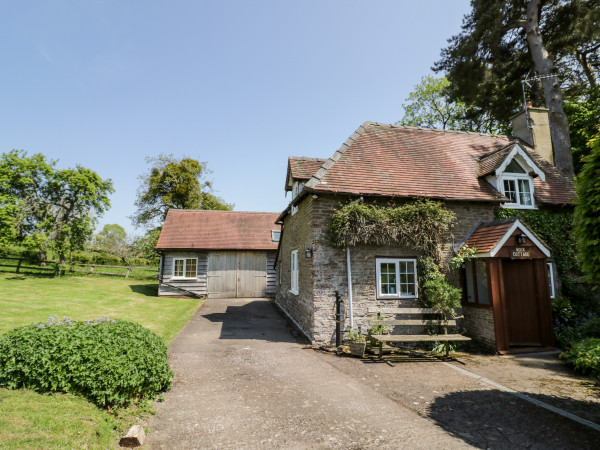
(522, 311)
(237, 274)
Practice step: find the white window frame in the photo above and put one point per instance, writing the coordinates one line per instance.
(294, 272)
(396, 262)
(275, 233)
(551, 279)
(516, 178)
(296, 189)
(185, 262)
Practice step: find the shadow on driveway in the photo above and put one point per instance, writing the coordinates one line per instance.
(257, 319)
(495, 419)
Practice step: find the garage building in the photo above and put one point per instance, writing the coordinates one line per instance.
(218, 254)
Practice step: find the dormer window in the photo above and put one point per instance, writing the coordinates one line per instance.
(517, 185)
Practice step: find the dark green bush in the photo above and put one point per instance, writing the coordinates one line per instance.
(585, 357)
(591, 329)
(109, 362)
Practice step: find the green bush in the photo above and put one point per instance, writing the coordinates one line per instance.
(591, 329)
(585, 357)
(109, 362)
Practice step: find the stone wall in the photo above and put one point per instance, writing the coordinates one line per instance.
(479, 322)
(326, 272)
(297, 235)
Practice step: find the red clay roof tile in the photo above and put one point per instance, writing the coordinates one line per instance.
(403, 161)
(217, 230)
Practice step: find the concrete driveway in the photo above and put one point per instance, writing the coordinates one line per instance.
(242, 381)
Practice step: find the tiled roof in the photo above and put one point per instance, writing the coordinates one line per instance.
(303, 168)
(398, 161)
(487, 235)
(217, 230)
(490, 162)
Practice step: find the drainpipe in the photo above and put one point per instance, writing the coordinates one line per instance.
(349, 268)
(349, 287)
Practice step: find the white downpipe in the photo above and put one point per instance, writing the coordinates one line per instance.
(349, 267)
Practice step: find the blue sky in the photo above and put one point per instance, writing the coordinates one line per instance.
(241, 85)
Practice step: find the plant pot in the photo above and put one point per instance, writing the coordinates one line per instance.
(358, 348)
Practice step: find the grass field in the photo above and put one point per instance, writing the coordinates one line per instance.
(28, 299)
(30, 420)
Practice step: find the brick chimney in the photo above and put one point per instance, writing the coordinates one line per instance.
(536, 133)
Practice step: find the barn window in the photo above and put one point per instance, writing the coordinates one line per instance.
(294, 272)
(396, 277)
(185, 267)
(275, 235)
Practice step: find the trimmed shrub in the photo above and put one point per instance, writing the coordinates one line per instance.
(109, 362)
(585, 357)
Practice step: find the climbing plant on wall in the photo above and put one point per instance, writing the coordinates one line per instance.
(423, 225)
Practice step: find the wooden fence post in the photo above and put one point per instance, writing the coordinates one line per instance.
(19, 265)
(127, 274)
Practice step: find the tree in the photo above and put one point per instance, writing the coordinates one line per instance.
(503, 42)
(113, 240)
(587, 213)
(50, 208)
(145, 246)
(431, 106)
(173, 183)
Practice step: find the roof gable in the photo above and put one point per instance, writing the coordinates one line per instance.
(301, 168)
(217, 230)
(489, 238)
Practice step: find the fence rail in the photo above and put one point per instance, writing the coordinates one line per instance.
(29, 264)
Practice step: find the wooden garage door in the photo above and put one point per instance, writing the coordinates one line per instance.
(237, 274)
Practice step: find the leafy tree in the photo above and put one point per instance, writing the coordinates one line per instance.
(113, 240)
(49, 208)
(145, 246)
(584, 117)
(430, 105)
(503, 42)
(587, 213)
(173, 183)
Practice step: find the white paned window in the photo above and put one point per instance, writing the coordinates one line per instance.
(517, 186)
(551, 279)
(294, 272)
(396, 278)
(275, 235)
(296, 189)
(185, 267)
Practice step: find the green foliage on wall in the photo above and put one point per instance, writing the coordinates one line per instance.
(422, 225)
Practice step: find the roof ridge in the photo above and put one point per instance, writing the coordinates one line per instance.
(306, 158)
(476, 133)
(221, 211)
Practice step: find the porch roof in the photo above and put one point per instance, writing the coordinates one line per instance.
(489, 237)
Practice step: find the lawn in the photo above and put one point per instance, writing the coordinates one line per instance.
(30, 420)
(26, 299)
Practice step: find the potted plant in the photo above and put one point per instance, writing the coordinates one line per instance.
(357, 342)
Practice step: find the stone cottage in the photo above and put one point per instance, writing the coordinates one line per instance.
(507, 287)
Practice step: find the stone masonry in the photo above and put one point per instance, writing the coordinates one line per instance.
(326, 272)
